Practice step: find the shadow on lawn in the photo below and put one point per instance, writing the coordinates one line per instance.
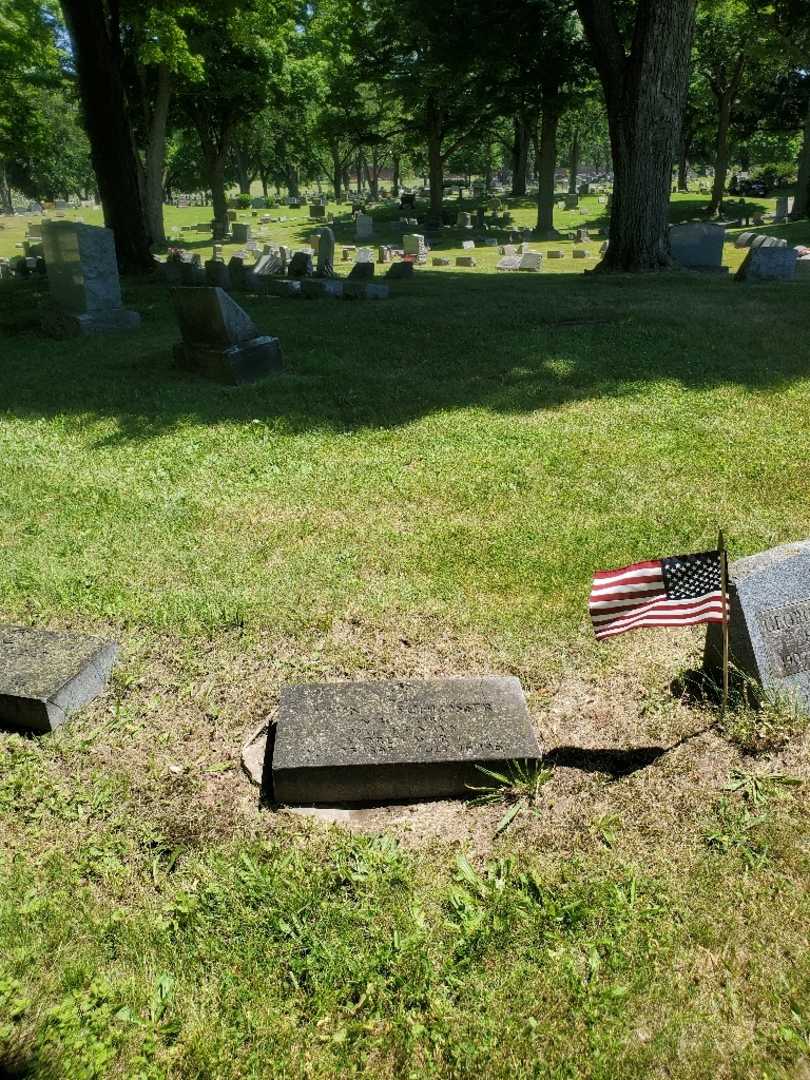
(512, 344)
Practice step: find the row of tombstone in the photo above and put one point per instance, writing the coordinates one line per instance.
(386, 740)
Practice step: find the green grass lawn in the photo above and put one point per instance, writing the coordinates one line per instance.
(425, 490)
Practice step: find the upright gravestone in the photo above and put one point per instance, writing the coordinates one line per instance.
(325, 267)
(240, 232)
(769, 621)
(767, 263)
(364, 227)
(83, 281)
(46, 675)
(698, 245)
(219, 339)
(369, 741)
(784, 207)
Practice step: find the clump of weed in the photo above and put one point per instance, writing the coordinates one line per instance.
(519, 787)
(761, 722)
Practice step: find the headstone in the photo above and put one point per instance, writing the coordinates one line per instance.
(316, 288)
(240, 232)
(383, 254)
(372, 741)
(768, 264)
(784, 207)
(440, 260)
(580, 253)
(216, 274)
(413, 244)
(399, 270)
(464, 221)
(236, 272)
(744, 239)
(83, 281)
(219, 339)
(530, 260)
(467, 245)
(465, 260)
(555, 253)
(46, 675)
(317, 210)
(364, 227)
(361, 271)
(581, 236)
(325, 267)
(769, 621)
(364, 255)
(698, 245)
(509, 262)
(300, 265)
(571, 202)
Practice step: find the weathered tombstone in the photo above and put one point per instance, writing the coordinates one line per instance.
(581, 253)
(698, 245)
(509, 262)
(468, 245)
(317, 211)
(364, 255)
(581, 236)
(400, 270)
(414, 244)
(530, 260)
(555, 253)
(383, 254)
(325, 267)
(364, 227)
(46, 675)
(361, 271)
(240, 232)
(216, 274)
(464, 221)
(768, 264)
(236, 272)
(571, 202)
(300, 265)
(372, 741)
(192, 271)
(219, 339)
(744, 239)
(440, 260)
(784, 207)
(465, 260)
(83, 281)
(769, 621)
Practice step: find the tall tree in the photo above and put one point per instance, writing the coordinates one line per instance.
(95, 32)
(641, 51)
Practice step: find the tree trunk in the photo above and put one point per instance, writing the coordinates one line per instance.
(801, 204)
(520, 154)
(436, 177)
(293, 182)
(155, 157)
(645, 94)
(359, 173)
(5, 191)
(395, 181)
(547, 166)
(243, 171)
(96, 52)
(721, 153)
(216, 178)
(573, 162)
(337, 172)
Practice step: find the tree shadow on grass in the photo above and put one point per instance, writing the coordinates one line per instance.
(510, 343)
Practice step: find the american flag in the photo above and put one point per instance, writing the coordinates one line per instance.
(679, 591)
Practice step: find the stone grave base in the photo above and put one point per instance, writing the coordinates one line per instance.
(63, 324)
(45, 675)
(244, 363)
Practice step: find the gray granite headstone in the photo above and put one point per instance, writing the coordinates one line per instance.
(362, 271)
(400, 270)
(767, 263)
(240, 232)
(698, 245)
(373, 741)
(219, 339)
(769, 621)
(83, 281)
(325, 267)
(45, 675)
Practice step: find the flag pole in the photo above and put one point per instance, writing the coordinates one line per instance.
(721, 547)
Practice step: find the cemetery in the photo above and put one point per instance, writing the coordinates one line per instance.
(323, 749)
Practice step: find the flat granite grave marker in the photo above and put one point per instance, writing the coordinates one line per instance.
(45, 675)
(373, 741)
(769, 621)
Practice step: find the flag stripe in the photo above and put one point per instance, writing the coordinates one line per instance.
(635, 569)
(668, 621)
(676, 607)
